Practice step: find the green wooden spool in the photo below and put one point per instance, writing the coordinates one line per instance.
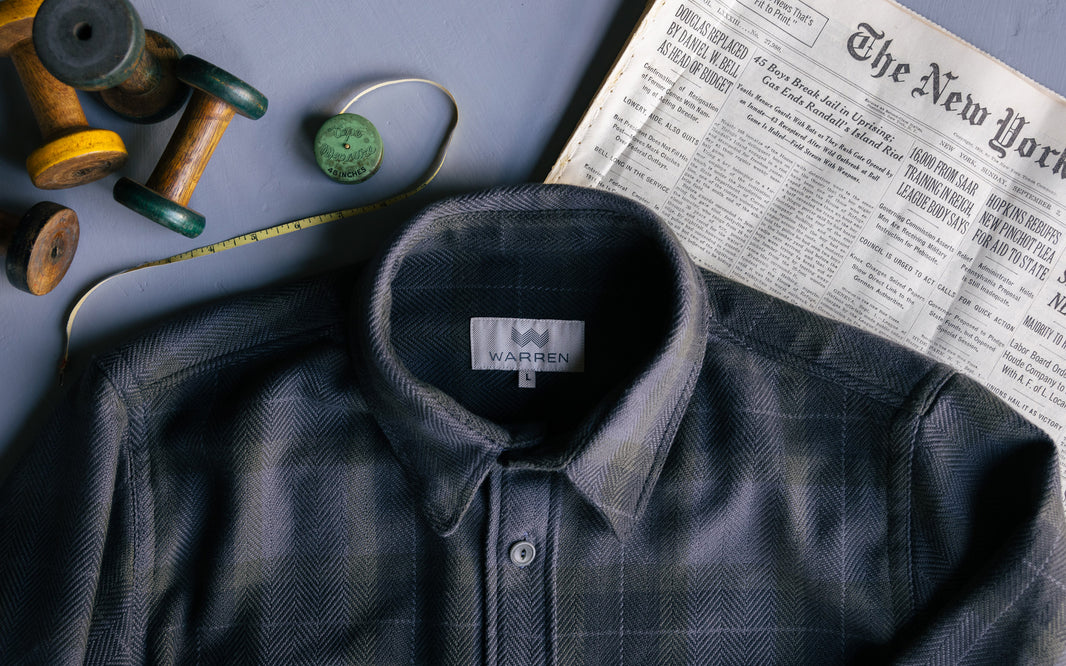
(348, 148)
(217, 96)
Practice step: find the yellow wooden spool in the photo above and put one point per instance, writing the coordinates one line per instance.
(73, 153)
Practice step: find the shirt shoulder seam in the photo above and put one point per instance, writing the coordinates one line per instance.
(804, 365)
(860, 385)
(135, 387)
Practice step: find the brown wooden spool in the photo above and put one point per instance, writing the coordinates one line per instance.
(40, 246)
(72, 153)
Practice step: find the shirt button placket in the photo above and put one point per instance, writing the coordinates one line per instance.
(523, 577)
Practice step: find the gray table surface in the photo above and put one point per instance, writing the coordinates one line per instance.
(522, 72)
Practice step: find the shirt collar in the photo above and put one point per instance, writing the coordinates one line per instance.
(446, 451)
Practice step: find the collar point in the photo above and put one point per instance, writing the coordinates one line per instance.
(621, 524)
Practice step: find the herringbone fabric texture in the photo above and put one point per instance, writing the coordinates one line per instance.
(304, 476)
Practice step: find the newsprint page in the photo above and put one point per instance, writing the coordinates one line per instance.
(855, 159)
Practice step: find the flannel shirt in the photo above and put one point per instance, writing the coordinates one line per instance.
(316, 473)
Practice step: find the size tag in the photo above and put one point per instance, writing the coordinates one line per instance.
(537, 345)
(527, 379)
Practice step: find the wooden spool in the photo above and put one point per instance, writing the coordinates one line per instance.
(102, 46)
(72, 153)
(39, 246)
(217, 95)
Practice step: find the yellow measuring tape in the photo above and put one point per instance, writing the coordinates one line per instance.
(285, 227)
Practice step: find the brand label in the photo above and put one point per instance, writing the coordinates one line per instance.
(540, 345)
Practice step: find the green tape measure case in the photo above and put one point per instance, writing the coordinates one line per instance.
(348, 148)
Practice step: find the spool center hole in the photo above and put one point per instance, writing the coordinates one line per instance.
(83, 31)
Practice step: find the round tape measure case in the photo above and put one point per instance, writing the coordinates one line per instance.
(348, 148)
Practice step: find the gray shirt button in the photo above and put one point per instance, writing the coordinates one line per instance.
(522, 553)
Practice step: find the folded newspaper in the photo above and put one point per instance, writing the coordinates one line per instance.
(855, 159)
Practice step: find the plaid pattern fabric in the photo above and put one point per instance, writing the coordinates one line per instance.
(306, 476)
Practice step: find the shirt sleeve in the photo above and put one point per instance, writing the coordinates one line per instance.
(68, 558)
(986, 560)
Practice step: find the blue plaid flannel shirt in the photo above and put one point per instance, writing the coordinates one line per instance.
(315, 474)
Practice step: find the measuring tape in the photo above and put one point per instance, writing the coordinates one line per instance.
(285, 227)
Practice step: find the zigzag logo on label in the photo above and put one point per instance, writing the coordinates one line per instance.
(523, 339)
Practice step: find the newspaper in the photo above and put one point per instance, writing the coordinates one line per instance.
(855, 159)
